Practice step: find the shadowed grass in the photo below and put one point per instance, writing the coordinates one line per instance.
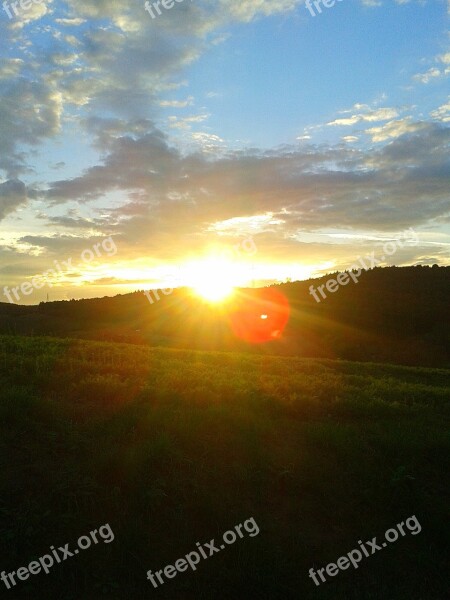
(174, 447)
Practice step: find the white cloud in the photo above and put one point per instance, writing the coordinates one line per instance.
(435, 73)
(371, 3)
(369, 115)
(442, 113)
(70, 22)
(186, 122)
(445, 58)
(431, 74)
(33, 13)
(177, 103)
(394, 129)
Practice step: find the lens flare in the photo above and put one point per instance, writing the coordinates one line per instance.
(259, 315)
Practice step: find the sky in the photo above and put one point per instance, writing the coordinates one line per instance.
(287, 141)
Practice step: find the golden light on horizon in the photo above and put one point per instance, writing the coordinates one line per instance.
(214, 293)
(212, 275)
(213, 279)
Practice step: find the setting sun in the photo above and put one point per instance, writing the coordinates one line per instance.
(215, 292)
(213, 278)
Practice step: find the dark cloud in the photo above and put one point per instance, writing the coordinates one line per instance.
(13, 194)
(405, 183)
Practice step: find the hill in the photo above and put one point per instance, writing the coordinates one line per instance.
(397, 315)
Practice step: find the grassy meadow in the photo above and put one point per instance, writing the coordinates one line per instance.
(173, 447)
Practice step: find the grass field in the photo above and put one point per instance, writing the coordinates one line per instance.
(174, 447)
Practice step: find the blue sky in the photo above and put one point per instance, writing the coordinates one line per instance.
(316, 66)
(321, 137)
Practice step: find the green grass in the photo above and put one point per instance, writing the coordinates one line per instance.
(174, 447)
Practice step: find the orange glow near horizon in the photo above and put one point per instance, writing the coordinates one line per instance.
(214, 278)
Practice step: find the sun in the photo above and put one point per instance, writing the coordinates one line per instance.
(213, 279)
(213, 292)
